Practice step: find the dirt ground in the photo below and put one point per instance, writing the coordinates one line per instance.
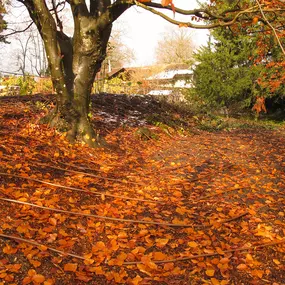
(167, 203)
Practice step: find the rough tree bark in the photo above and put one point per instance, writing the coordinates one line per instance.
(74, 62)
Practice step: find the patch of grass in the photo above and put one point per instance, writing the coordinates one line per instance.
(217, 123)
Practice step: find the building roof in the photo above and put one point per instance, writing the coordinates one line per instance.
(170, 74)
(167, 72)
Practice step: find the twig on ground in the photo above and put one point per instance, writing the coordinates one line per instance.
(97, 216)
(208, 254)
(235, 218)
(140, 262)
(42, 246)
(86, 173)
(89, 174)
(224, 192)
(97, 193)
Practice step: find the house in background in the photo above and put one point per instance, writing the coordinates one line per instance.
(174, 75)
(127, 80)
(171, 81)
(162, 80)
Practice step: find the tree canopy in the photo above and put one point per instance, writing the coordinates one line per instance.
(225, 73)
(175, 47)
(118, 53)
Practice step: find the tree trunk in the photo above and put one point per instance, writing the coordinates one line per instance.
(72, 111)
(74, 62)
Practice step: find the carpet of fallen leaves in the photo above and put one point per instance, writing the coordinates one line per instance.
(187, 208)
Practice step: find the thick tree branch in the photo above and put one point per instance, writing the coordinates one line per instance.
(221, 22)
(114, 11)
(98, 7)
(79, 8)
(269, 24)
(201, 13)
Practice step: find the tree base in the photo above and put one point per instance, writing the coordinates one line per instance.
(77, 127)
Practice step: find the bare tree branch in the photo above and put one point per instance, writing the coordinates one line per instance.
(58, 21)
(269, 24)
(222, 22)
(18, 31)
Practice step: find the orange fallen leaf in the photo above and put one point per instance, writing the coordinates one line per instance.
(89, 261)
(122, 256)
(14, 267)
(122, 234)
(119, 260)
(257, 273)
(161, 242)
(49, 282)
(177, 194)
(26, 280)
(138, 250)
(38, 278)
(159, 255)
(136, 280)
(35, 263)
(255, 20)
(249, 258)
(22, 229)
(31, 272)
(143, 233)
(99, 246)
(276, 261)
(215, 281)
(9, 250)
(52, 237)
(70, 267)
(210, 272)
(224, 260)
(83, 277)
(219, 250)
(97, 269)
(143, 269)
(52, 221)
(242, 266)
(43, 247)
(147, 261)
(192, 244)
(168, 266)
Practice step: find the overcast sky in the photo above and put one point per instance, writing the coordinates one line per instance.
(142, 31)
